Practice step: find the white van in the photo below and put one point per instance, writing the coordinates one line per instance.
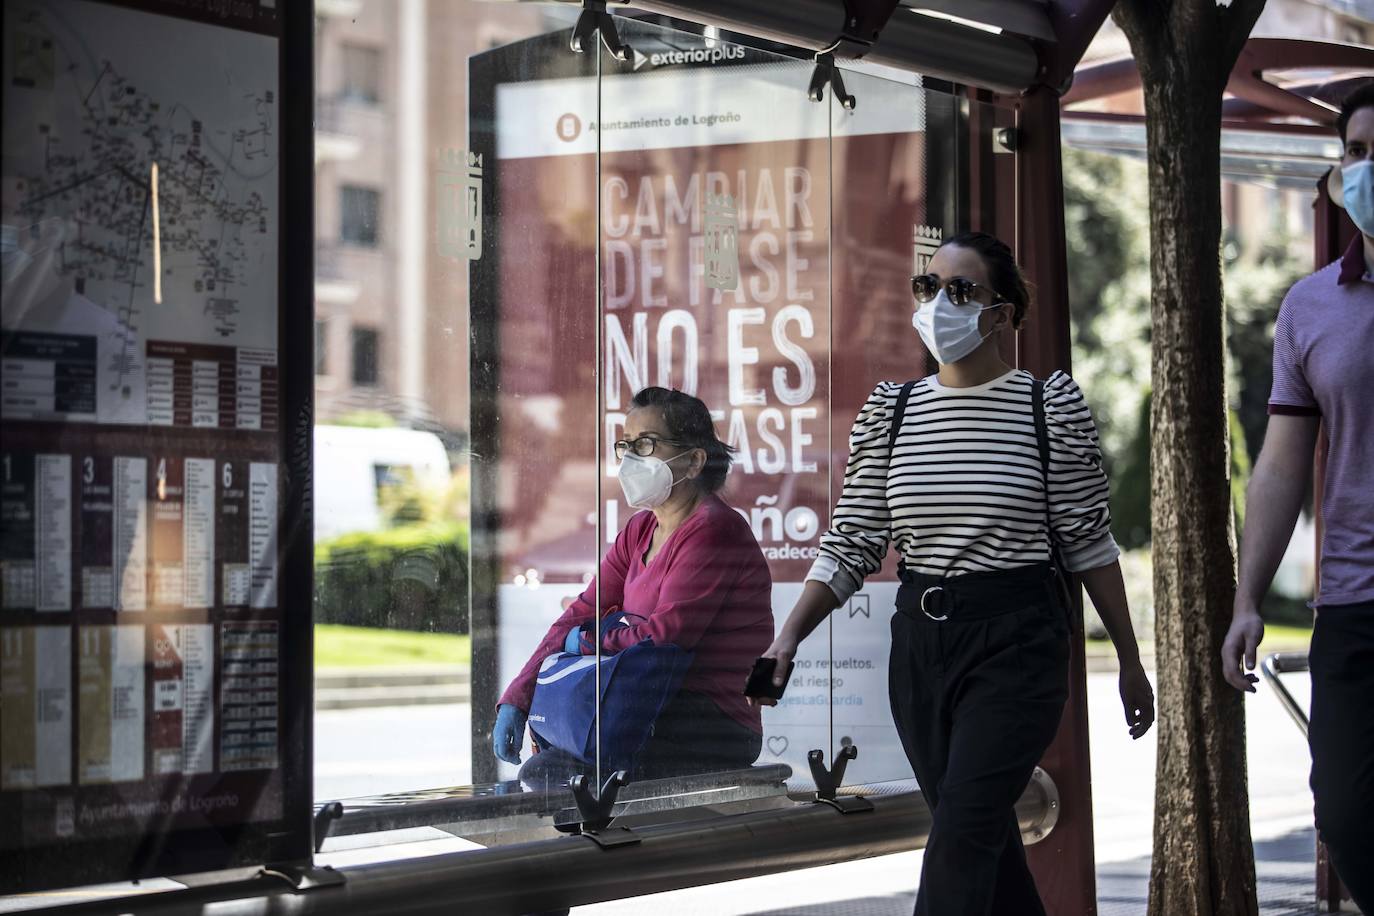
(354, 464)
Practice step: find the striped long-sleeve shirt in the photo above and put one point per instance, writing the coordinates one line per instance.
(962, 491)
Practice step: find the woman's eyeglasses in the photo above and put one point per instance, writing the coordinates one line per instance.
(926, 287)
(643, 446)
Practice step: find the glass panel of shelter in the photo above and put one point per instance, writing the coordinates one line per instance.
(150, 640)
(592, 227)
(513, 241)
(542, 315)
(453, 508)
(715, 279)
(897, 186)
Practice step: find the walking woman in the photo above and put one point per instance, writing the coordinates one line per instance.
(951, 469)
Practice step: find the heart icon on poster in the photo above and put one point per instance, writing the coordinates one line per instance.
(777, 745)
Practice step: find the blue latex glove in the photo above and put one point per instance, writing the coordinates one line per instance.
(573, 644)
(509, 732)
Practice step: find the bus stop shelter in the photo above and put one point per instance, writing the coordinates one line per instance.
(830, 143)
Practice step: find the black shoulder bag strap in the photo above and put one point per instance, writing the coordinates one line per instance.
(898, 416)
(1042, 439)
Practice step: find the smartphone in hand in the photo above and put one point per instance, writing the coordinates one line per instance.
(760, 683)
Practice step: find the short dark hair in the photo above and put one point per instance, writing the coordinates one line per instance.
(689, 422)
(1362, 96)
(1003, 272)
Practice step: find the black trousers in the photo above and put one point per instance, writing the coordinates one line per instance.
(977, 698)
(1341, 736)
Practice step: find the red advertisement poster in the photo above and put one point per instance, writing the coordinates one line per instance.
(825, 215)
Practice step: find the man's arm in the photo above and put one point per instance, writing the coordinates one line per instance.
(1272, 502)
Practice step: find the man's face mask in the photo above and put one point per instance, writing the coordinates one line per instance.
(1357, 193)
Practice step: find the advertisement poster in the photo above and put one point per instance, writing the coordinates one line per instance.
(825, 213)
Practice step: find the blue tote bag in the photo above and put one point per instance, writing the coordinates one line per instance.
(635, 684)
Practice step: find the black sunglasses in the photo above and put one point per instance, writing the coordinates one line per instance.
(642, 446)
(926, 287)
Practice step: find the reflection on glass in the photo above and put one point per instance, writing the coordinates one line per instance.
(141, 640)
(487, 315)
(414, 260)
(715, 272)
(534, 444)
(896, 196)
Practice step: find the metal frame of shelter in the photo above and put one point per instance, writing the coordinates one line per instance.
(1022, 71)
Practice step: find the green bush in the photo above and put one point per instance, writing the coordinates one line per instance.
(1285, 611)
(413, 577)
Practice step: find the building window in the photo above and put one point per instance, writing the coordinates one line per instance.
(359, 209)
(365, 356)
(321, 347)
(362, 74)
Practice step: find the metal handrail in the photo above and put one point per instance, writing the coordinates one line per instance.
(576, 871)
(1279, 663)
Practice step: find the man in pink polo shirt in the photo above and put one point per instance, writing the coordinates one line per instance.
(1324, 374)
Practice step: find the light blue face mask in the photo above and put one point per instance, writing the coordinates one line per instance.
(1357, 191)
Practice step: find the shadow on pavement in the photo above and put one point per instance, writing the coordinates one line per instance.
(1285, 867)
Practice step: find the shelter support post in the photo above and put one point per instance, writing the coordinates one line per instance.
(1332, 231)
(1063, 865)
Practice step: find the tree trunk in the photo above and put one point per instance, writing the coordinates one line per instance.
(1203, 857)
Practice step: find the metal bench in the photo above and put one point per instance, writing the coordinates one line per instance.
(505, 810)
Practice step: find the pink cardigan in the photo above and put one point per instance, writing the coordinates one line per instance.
(707, 590)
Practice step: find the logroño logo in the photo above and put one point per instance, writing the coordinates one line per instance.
(569, 127)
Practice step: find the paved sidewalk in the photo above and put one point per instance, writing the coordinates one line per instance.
(363, 751)
(1123, 786)
(1283, 866)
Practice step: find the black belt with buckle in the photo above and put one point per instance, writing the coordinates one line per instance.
(973, 595)
(933, 590)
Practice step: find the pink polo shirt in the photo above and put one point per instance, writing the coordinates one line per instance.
(1324, 367)
(708, 590)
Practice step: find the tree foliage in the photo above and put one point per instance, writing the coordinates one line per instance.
(1107, 226)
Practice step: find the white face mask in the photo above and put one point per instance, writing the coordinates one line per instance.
(949, 331)
(647, 482)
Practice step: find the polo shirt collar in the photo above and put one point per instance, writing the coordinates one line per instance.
(1353, 267)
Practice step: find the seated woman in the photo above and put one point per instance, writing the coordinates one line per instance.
(693, 575)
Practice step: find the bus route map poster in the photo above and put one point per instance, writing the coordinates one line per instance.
(142, 645)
